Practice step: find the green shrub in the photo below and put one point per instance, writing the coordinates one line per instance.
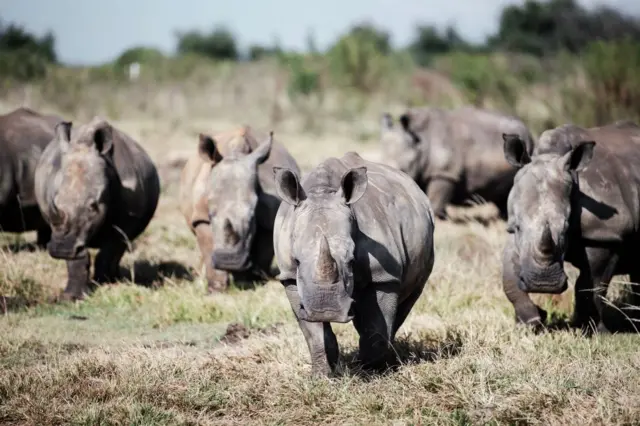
(358, 60)
(612, 72)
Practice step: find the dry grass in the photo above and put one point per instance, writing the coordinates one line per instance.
(164, 352)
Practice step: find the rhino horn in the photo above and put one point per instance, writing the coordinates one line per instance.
(230, 236)
(326, 270)
(547, 246)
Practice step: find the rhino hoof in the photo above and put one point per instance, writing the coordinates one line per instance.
(69, 297)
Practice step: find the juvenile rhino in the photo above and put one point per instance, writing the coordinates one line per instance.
(97, 189)
(228, 198)
(24, 134)
(577, 199)
(454, 155)
(354, 240)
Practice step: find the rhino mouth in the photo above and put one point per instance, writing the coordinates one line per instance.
(66, 248)
(543, 287)
(231, 260)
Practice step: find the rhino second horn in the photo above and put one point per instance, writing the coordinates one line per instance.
(326, 270)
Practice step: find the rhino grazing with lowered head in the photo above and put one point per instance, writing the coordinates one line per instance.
(454, 155)
(354, 241)
(97, 188)
(24, 134)
(228, 198)
(576, 200)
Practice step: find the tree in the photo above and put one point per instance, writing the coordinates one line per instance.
(541, 28)
(23, 55)
(219, 43)
(429, 42)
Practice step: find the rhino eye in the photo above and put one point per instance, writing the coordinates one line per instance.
(297, 262)
(511, 229)
(93, 205)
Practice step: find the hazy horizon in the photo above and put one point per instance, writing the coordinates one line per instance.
(91, 32)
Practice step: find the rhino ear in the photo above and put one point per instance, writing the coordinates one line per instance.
(288, 186)
(353, 184)
(207, 149)
(261, 153)
(579, 157)
(63, 133)
(515, 150)
(103, 138)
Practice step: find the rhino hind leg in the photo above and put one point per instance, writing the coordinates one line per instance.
(78, 283)
(108, 261)
(591, 288)
(320, 338)
(375, 317)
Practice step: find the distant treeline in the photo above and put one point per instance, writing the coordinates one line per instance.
(537, 28)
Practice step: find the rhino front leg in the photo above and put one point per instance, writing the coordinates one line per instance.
(43, 237)
(526, 311)
(77, 278)
(107, 262)
(591, 289)
(375, 315)
(217, 280)
(440, 193)
(321, 341)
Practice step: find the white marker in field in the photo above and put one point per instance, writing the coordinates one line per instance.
(134, 71)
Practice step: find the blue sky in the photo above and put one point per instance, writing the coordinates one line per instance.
(92, 31)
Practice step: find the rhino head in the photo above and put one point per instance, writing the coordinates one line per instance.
(233, 193)
(540, 211)
(400, 145)
(79, 205)
(323, 246)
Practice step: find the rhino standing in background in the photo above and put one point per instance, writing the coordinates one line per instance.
(454, 155)
(354, 240)
(97, 189)
(24, 134)
(576, 200)
(228, 198)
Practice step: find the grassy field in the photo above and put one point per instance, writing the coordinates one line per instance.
(156, 349)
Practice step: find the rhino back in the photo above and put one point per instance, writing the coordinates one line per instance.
(24, 134)
(610, 185)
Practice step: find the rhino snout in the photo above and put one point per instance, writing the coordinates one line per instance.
(552, 280)
(326, 306)
(67, 247)
(231, 260)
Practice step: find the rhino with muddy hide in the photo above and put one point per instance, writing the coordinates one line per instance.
(354, 241)
(454, 155)
(97, 188)
(24, 134)
(576, 200)
(228, 199)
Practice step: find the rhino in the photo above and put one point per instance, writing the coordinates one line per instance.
(24, 134)
(576, 200)
(354, 241)
(454, 155)
(97, 188)
(229, 201)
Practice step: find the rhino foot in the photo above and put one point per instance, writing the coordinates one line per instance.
(219, 285)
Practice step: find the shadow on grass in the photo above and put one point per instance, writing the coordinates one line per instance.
(153, 274)
(619, 318)
(406, 351)
(21, 247)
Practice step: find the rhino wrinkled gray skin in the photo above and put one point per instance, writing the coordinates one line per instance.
(242, 208)
(24, 134)
(576, 200)
(454, 155)
(229, 201)
(354, 241)
(97, 188)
